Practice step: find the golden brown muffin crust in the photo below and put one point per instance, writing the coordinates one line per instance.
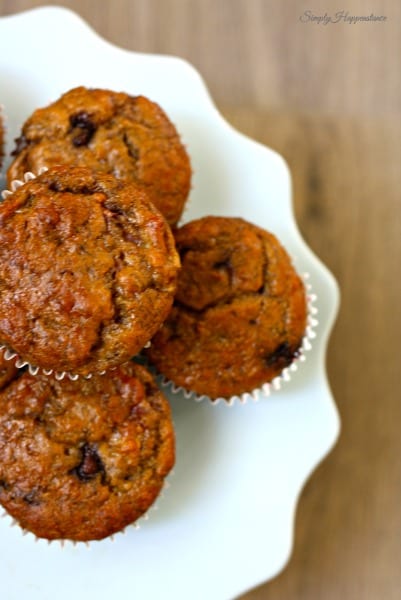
(87, 270)
(83, 459)
(239, 313)
(129, 137)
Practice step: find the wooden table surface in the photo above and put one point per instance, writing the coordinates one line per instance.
(328, 97)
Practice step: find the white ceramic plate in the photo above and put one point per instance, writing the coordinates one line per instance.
(226, 522)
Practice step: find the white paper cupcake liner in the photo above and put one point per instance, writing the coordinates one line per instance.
(8, 354)
(267, 388)
(17, 183)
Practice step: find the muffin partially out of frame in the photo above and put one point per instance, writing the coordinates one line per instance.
(87, 270)
(81, 460)
(130, 137)
(239, 313)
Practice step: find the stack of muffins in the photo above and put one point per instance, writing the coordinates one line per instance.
(95, 270)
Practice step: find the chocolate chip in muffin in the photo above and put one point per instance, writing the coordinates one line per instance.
(21, 143)
(282, 356)
(82, 128)
(90, 464)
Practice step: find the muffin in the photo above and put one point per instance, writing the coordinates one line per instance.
(81, 460)
(87, 270)
(239, 313)
(127, 136)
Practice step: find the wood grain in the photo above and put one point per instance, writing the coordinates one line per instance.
(347, 202)
(329, 99)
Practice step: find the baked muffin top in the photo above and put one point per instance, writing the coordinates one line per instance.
(129, 137)
(82, 459)
(87, 270)
(239, 313)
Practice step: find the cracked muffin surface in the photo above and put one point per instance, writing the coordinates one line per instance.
(239, 313)
(129, 137)
(87, 270)
(83, 459)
